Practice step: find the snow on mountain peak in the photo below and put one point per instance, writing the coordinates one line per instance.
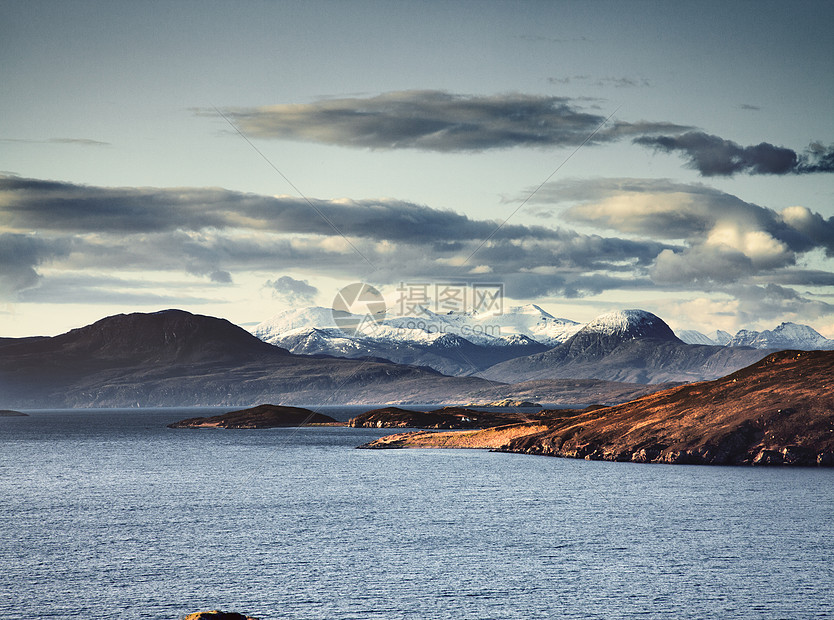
(629, 323)
(621, 320)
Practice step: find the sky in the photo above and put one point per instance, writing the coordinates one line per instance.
(238, 159)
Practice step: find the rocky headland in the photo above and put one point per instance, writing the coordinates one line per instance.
(443, 418)
(10, 413)
(262, 416)
(779, 411)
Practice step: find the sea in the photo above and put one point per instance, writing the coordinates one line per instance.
(110, 514)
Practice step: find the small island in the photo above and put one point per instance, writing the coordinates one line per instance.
(10, 413)
(262, 416)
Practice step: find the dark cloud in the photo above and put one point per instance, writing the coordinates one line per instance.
(714, 156)
(220, 276)
(570, 285)
(27, 204)
(817, 158)
(437, 121)
(20, 255)
(718, 241)
(803, 277)
(295, 292)
(214, 233)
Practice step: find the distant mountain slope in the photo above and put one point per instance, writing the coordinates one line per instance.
(630, 345)
(691, 336)
(174, 358)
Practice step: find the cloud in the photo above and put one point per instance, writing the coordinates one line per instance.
(723, 239)
(20, 255)
(715, 156)
(83, 288)
(75, 141)
(774, 302)
(434, 120)
(27, 204)
(664, 209)
(214, 233)
(294, 292)
(668, 237)
(701, 266)
(616, 82)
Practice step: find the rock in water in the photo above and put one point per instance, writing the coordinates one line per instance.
(10, 413)
(217, 615)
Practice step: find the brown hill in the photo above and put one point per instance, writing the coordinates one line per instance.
(777, 411)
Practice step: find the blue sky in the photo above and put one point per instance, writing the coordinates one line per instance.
(414, 129)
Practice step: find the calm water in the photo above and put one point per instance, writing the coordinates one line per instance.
(108, 514)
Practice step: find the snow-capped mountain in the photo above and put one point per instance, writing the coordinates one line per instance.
(469, 343)
(628, 345)
(691, 336)
(785, 336)
(629, 324)
(518, 326)
(531, 321)
(459, 344)
(297, 318)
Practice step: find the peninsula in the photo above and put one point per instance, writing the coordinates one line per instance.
(779, 411)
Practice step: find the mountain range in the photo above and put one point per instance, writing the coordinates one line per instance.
(453, 344)
(175, 358)
(466, 344)
(627, 345)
